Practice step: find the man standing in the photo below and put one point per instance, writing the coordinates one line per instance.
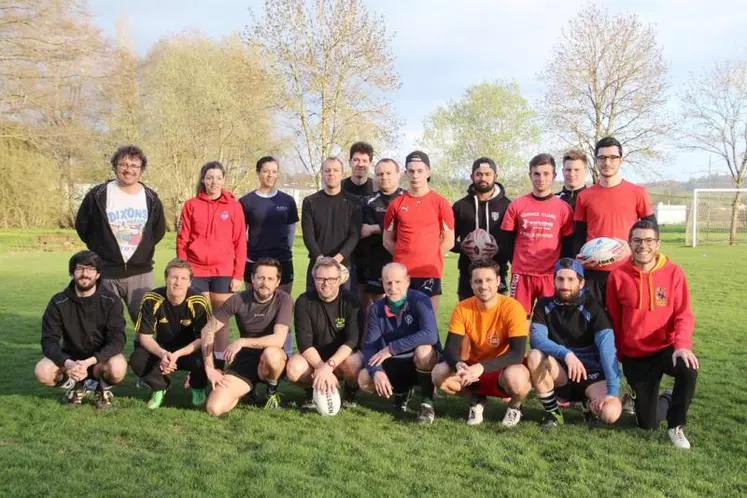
(122, 221)
(271, 217)
(83, 335)
(387, 176)
(485, 347)
(534, 229)
(263, 316)
(649, 306)
(402, 344)
(483, 207)
(574, 353)
(331, 221)
(575, 169)
(169, 323)
(419, 229)
(327, 321)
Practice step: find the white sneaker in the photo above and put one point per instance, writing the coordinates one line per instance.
(512, 417)
(475, 414)
(677, 436)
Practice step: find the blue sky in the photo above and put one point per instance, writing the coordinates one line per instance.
(444, 46)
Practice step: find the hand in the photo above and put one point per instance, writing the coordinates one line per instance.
(368, 230)
(236, 285)
(461, 366)
(576, 370)
(622, 251)
(231, 351)
(690, 360)
(165, 361)
(587, 263)
(339, 257)
(380, 357)
(173, 358)
(324, 379)
(214, 376)
(598, 403)
(382, 384)
(471, 374)
(79, 372)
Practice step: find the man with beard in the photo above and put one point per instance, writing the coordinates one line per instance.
(482, 207)
(83, 335)
(649, 307)
(573, 355)
(169, 324)
(575, 169)
(402, 345)
(263, 316)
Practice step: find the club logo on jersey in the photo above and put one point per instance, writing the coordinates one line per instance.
(224, 215)
(408, 319)
(163, 320)
(403, 208)
(186, 322)
(281, 208)
(494, 340)
(495, 215)
(661, 297)
(339, 322)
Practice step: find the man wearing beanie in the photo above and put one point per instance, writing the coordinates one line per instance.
(482, 208)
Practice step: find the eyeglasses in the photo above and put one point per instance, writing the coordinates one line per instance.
(85, 269)
(647, 241)
(322, 280)
(604, 159)
(134, 167)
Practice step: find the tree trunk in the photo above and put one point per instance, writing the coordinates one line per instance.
(734, 219)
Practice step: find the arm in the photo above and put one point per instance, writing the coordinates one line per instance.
(114, 333)
(541, 340)
(302, 322)
(389, 235)
(453, 349)
(148, 342)
(309, 234)
(457, 242)
(239, 242)
(426, 336)
(208, 341)
(605, 341)
(291, 235)
(52, 335)
(447, 240)
(354, 234)
(506, 245)
(578, 238)
(447, 226)
(389, 240)
(183, 233)
(514, 356)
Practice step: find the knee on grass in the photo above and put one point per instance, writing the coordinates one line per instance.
(365, 381)
(611, 411)
(46, 372)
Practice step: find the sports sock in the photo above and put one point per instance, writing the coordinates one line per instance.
(425, 381)
(476, 398)
(103, 384)
(549, 402)
(272, 387)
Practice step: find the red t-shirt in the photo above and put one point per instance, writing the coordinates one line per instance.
(539, 225)
(418, 223)
(611, 211)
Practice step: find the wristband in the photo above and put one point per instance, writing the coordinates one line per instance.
(332, 363)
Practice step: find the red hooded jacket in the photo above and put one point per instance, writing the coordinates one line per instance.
(212, 236)
(649, 311)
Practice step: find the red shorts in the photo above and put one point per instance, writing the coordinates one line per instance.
(527, 288)
(489, 385)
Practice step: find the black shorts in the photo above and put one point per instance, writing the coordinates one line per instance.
(596, 285)
(361, 271)
(219, 285)
(576, 391)
(286, 272)
(401, 372)
(428, 286)
(245, 365)
(373, 283)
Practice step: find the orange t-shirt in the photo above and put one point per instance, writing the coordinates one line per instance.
(489, 330)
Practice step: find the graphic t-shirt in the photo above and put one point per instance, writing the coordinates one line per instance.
(540, 224)
(128, 214)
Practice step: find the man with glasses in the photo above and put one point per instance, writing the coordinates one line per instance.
(649, 306)
(83, 336)
(122, 220)
(327, 321)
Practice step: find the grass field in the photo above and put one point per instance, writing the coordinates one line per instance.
(46, 449)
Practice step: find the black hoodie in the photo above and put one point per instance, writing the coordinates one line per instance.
(570, 196)
(86, 326)
(471, 213)
(93, 228)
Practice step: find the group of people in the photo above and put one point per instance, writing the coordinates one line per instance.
(368, 317)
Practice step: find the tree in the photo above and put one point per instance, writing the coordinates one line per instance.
(336, 65)
(492, 119)
(715, 107)
(607, 77)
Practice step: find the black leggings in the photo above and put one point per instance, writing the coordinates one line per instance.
(644, 376)
(146, 366)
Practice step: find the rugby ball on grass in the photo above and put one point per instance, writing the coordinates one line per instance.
(479, 244)
(604, 251)
(327, 403)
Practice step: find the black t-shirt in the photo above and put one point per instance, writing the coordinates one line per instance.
(174, 326)
(256, 319)
(573, 325)
(327, 326)
(373, 214)
(268, 222)
(362, 191)
(331, 224)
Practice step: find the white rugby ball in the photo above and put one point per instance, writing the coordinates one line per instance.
(604, 251)
(327, 403)
(479, 244)
(344, 275)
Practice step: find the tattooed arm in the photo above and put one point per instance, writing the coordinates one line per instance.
(208, 344)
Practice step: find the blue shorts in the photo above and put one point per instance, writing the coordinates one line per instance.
(218, 285)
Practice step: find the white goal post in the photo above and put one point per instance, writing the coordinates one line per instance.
(712, 214)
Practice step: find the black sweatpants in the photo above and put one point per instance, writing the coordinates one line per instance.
(146, 366)
(644, 376)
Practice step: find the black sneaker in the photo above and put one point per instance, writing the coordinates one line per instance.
(426, 414)
(592, 421)
(628, 404)
(552, 420)
(308, 402)
(348, 398)
(104, 399)
(74, 396)
(399, 403)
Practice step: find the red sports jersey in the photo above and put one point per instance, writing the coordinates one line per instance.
(539, 226)
(417, 223)
(611, 211)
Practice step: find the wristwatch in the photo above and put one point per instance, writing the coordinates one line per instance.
(332, 364)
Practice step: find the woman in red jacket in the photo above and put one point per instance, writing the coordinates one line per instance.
(212, 238)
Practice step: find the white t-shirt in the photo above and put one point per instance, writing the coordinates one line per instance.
(127, 215)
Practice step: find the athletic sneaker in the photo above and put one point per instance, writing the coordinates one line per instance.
(156, 399)
(91, 385)
(273, 402)
(141, 384)
(308, 402)
(628, 404)
(475, 414)
(552, 420)
(677, 436)
(348, 398)
(104, 399)
(74, 396)
(426, 415)
(198, 396)
(399, 402)
(512, 417)
(592, 421)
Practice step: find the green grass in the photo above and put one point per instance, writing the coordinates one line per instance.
(46, 449)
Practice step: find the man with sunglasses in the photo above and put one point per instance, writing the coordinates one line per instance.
(649, 306)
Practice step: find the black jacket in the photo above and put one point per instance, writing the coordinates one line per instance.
(76, 328)
(93, 228)
(469, 214)
(570, 196)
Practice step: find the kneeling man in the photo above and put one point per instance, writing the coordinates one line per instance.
(83, 335)
(401, 346)
(263, 316)
(494, 328)
(574, 352)
(169, 323)
(327, 333)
